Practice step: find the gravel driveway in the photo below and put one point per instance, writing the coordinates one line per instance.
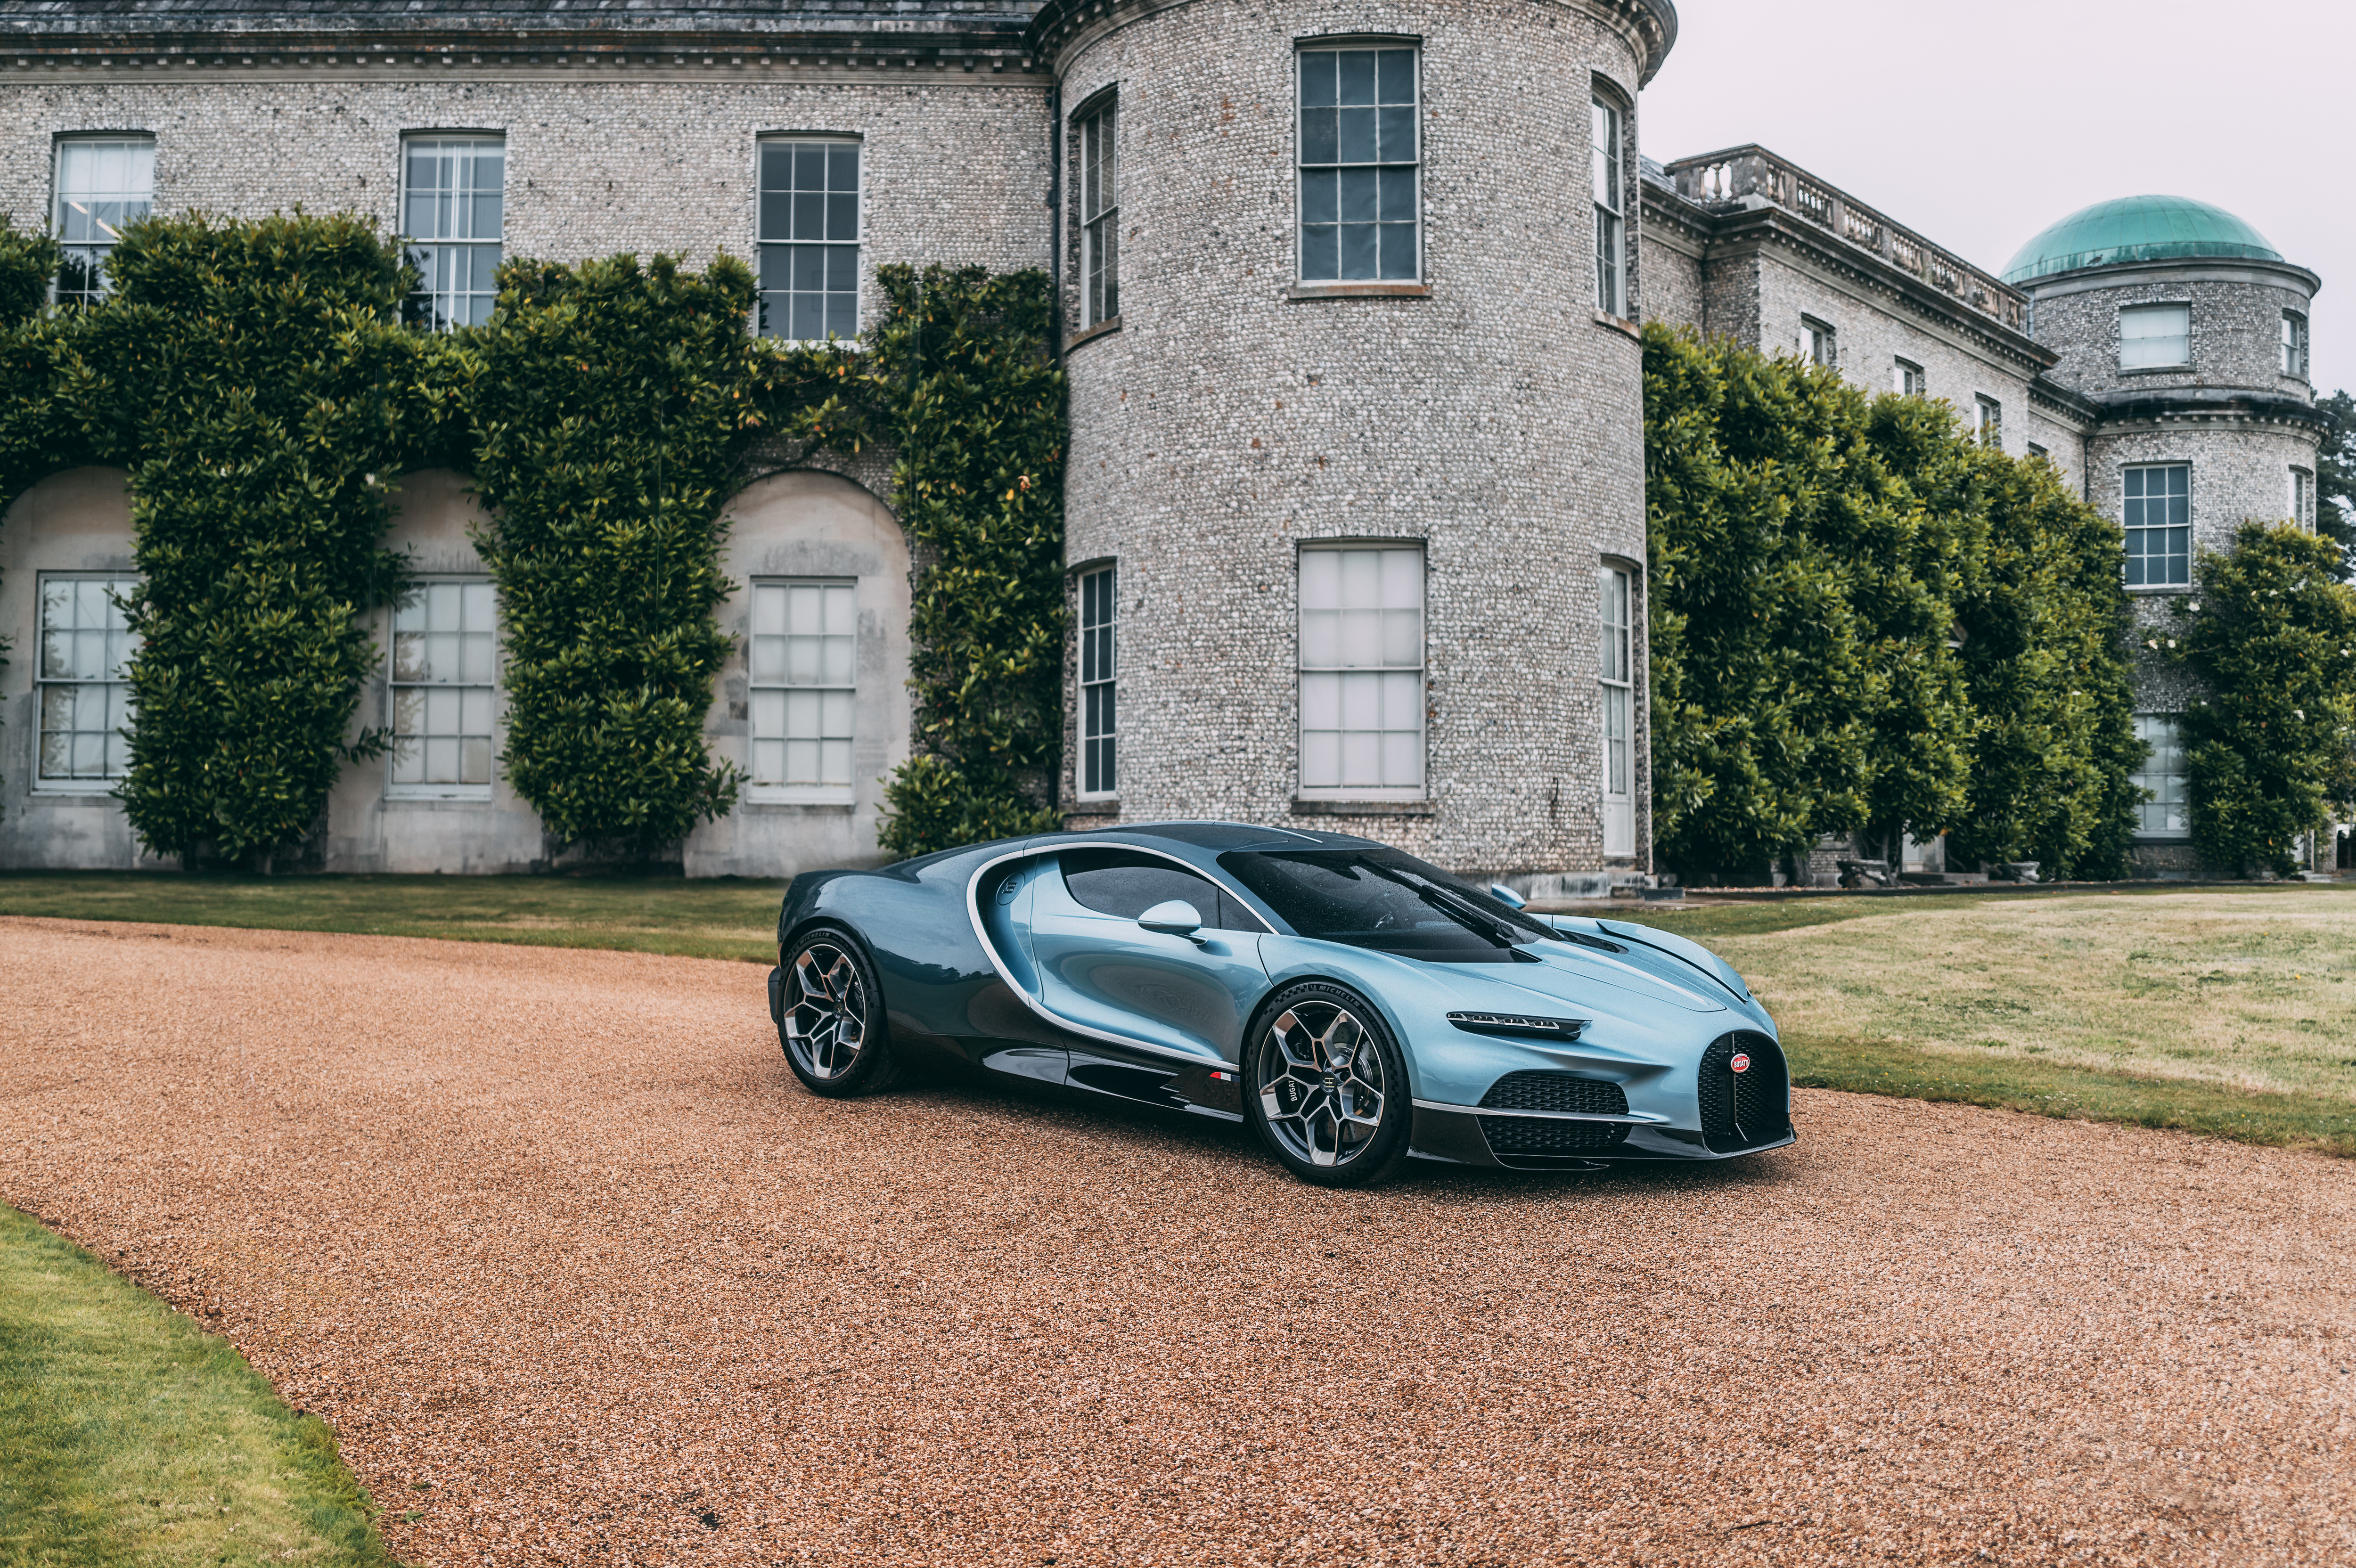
(556, 1232)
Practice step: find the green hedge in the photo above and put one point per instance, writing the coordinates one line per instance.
(1862, 621)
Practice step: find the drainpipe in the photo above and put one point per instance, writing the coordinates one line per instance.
(1055, 216)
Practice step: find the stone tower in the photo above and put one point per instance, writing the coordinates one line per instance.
(1356, 419)
(2182, 342)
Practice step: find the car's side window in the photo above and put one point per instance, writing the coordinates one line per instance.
(1125, 883)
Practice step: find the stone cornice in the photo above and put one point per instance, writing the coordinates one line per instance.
(1650, 27)
(1764, 226)
(2059, 403)
(2203, 405)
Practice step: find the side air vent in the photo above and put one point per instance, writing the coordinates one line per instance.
(1559, 1092)
(1519, 1023)
(1743, 1110)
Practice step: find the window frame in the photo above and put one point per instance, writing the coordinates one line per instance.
(1096, 673)
(857, 245)
(395, 789)
(2302, 497)
(1421, 790)
(1987, 421)
(1910, 380)
(779, 792)
(1609, 178)
(2146, 308)
(1819, 342)
(2143, 771)
(98, 288)
(1375, 44)
(1093, 124)
(429, 314)
(1616, 648)
(43, 782)
(2174, 584)
(2295, 345)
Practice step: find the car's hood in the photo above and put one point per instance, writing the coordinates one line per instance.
(1566, 973)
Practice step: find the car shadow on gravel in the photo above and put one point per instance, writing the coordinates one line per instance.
(1173, 1134)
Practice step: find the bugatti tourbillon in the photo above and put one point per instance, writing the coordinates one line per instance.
(1357, 1005)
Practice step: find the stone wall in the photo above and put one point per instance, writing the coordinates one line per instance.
(1487, 415)
(954, 165)
(2236, 317)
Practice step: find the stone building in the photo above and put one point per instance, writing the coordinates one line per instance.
(1355, 492)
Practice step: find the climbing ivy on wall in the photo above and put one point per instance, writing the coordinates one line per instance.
(1861, 621)
(969, 398)
(253, 377)
(2271, 746)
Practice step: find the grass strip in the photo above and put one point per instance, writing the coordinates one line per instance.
(727, 917)
(130, 1437)
(2011, 1083)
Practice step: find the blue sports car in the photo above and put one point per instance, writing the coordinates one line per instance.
(1357, 1005)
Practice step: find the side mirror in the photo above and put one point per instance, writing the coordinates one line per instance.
(1173, 917)
(1506, 896)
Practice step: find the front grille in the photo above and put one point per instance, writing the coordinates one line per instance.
(1543, 1091)
(1743, 1109)
(1535, 1140)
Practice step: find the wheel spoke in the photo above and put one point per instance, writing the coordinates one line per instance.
(826, 1026)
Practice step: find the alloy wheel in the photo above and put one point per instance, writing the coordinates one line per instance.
(825, 1011)
(1322, 1085)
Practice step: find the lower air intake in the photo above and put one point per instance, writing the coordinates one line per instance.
(1542, 1091)
(1743, 1110)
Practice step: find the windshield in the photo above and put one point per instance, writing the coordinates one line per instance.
(1386, 901)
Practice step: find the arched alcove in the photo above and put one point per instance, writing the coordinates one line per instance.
(440, 802)
(65, 550)
(813, 702)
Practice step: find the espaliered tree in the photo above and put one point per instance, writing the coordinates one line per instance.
(2271, 748)
(272, 397)
(1822, 564)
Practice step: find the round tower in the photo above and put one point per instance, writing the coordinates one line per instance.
(2182, 334)
(1356, 496)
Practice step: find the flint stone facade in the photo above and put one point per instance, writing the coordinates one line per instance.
(1228, 416)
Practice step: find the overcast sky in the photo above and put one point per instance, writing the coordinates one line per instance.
(1977, 124)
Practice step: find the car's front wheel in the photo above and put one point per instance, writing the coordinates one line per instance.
(830, 1017)
(1326, 1087)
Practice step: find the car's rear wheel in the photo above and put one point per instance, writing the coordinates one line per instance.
(830, 1017)
(1326, 1087)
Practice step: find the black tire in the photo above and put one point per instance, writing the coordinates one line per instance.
(1325, 1086)
(831, 1019)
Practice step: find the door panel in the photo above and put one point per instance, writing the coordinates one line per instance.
(1098, 968)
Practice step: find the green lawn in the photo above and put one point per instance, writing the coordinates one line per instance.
(2229, 1011)
(130, 1438)
(725, 917)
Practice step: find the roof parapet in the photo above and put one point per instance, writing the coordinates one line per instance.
(1751, 175)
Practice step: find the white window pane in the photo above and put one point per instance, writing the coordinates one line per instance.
(1402, 638)
(442, 709)
(1361, 701)
(768, 761)
(1321, 639)
(441, 654)
(409, 616)
(476, 658)
(1361, 579)
(1361, 638)
(1321, 580)
(475, 710)
(836, 667)
(769, 714)
(1402, 702)
(834, 764)
(802, 762)
(1402, 761)
(89, 754)
(802, 661)
(408, 712)
(835, 714)
(477, 606)
(1321, 760)
(842, 611)
(768, 612)
(1321, 702)
(1402, 578)
(442, 607)
(768, 662)
(802, 714)
(475, 761)
(804, 608)
(1362, 760)
(441, 759)
(408, 657)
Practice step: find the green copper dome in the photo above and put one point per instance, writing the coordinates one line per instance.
(2138, 228)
